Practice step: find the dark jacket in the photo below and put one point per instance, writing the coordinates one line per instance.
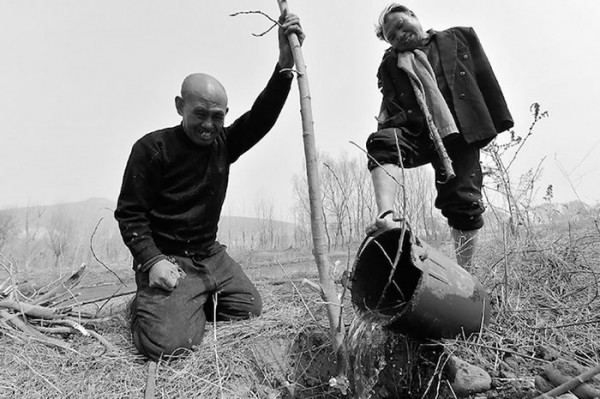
(469, 87)
(173, 190)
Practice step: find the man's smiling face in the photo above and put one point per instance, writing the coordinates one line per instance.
(203, 107)
(403, 31)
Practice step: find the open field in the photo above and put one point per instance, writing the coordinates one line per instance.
(544, 292)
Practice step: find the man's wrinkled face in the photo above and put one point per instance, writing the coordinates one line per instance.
(202, 106)
(202, 118)
(403, 31)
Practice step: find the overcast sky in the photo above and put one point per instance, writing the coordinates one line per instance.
(82, 80)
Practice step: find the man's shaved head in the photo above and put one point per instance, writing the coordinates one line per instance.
(203, 106)
(202, 85)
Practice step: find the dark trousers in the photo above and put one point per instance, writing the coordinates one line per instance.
(459, 199)
(169, 323)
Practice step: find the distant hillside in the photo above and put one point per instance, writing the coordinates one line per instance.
(245, 232)
(82, 212)
(49, 226)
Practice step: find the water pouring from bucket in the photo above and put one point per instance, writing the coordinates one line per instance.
(414, 289)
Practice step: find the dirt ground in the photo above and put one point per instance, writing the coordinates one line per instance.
(294, 355)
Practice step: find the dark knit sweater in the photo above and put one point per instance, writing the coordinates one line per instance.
(173, 190)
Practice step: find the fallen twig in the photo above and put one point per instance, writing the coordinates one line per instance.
(30, 310)
(71, 323)
(55, 330)
(72, 328)
(571, 384)
(104, 298)
(32, 332)
(581, 323)
(110, 347)
(506, 351)
(62, 287)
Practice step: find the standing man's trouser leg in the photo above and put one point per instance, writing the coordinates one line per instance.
(460, 199)
(164, 323)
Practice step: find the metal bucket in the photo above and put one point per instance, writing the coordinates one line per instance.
(415, 289)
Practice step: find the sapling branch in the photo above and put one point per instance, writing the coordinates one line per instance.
(537, 115)
(95, 257)
(275, 22)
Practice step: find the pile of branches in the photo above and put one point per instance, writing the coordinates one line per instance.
(50, 312)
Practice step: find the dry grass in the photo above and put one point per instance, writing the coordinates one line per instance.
(33, 370)
(545, 304)
(283, 351)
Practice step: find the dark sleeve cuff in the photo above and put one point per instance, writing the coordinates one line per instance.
(287, 73)
(144, 267)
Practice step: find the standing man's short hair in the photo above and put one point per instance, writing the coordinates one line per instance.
(394, 7)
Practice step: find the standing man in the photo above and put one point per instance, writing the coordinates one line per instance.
(170, 203)
(435, 80)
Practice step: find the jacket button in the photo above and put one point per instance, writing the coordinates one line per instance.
(466, 56)
(409, 111)
(462, 95)
(462, 73)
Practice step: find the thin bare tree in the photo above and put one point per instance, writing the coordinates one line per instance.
(328, 293)
(8, 226)
(59, 236)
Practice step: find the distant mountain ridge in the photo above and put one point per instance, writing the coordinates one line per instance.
(84, 215)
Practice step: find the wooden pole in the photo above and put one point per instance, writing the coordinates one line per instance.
(150, 391)
(328, 292)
